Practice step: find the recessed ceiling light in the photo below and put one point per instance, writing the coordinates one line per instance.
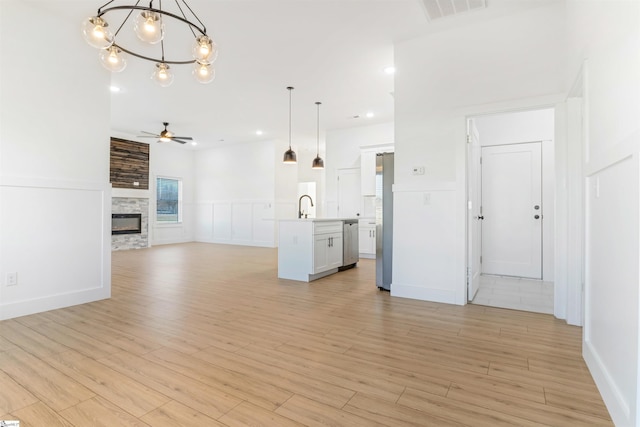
(194, 143)
(389, 70)
(114, 89)
(369, 115)
(258, 132)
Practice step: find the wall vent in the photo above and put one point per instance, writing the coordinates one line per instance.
(435, 9)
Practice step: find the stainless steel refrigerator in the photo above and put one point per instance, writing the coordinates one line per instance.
(384, 219)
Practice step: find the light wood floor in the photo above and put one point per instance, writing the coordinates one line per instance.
(206, 335)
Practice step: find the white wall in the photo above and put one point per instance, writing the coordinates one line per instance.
(343, 152)
(236, 196)
(169, 160)
(496, 65)
(55, 201)
(607, 36)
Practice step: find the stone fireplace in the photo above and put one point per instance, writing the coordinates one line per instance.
(129, 223)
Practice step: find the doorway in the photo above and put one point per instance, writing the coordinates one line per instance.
(349, 193)
(510, 241)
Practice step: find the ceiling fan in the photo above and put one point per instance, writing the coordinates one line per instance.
(166, 136)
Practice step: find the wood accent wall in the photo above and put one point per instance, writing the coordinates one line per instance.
(129, 164)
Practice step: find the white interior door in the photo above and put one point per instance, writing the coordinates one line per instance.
(512, 210)
(348, 193)
(474, 226)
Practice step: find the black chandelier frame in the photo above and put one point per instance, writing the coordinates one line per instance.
(103, 10)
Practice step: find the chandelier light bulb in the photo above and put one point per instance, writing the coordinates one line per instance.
(113, 59)
(203, 73)
(162, 75)
(149, 27)
(96, 33)
(204, 50)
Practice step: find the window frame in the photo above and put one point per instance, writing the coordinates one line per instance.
(178, 221)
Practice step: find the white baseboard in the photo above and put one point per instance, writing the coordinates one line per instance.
(613, 399)
(53, 302)
(424, 294)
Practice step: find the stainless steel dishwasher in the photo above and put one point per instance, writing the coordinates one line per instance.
(350, 250)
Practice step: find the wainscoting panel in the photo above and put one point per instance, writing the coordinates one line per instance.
(248, 223)
(56, 239)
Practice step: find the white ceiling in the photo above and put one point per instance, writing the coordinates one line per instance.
(332, 51)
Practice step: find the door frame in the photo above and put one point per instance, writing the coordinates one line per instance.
(549, 198)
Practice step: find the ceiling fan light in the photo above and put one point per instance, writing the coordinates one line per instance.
(162, 75)
(203, 73)
(290, 157)
(204, 50)
(96, 32)
(113, 59)
(149, 27)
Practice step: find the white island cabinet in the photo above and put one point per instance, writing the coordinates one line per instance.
(309, 249)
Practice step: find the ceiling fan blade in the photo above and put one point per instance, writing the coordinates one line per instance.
(182, 137)
(149, 133)
(148, 136)
(178, 140)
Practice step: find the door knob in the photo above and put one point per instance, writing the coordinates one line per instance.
(480, 217)
(536, 216)
(536, 207)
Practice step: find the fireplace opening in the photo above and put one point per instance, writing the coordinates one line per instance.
(126, 223)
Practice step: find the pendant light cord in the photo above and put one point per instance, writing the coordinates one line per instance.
(318, 131)
(289, 89)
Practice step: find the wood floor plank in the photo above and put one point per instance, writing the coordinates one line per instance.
(29, 340)
(206, 334)
(321, 390)
(114, 337)
(39, 414)
(345, 378)
(256, 391)
(385, 413)
(248, 414)
(119, 389)
(570, 401)
(532, 411)
(99, 412)
(175, 414)
(312, 413)
(200, 396)
(12, 395)
(51, 386)
(75, 340)
(462, 412)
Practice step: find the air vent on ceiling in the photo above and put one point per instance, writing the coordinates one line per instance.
(441, 8)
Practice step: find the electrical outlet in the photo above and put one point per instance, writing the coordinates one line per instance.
(417, 170)
(11, 279)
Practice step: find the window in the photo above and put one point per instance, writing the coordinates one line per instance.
(169, 200)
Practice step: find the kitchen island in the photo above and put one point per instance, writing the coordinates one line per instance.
(311, 248)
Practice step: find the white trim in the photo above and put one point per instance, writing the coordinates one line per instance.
(426, 294)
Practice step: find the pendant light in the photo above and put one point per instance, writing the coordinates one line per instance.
(318, 163)
(289, 155)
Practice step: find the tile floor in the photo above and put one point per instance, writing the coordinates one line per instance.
(515, 293)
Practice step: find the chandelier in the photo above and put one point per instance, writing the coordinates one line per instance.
(148, 24)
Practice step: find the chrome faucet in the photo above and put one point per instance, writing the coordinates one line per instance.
(300, 204)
